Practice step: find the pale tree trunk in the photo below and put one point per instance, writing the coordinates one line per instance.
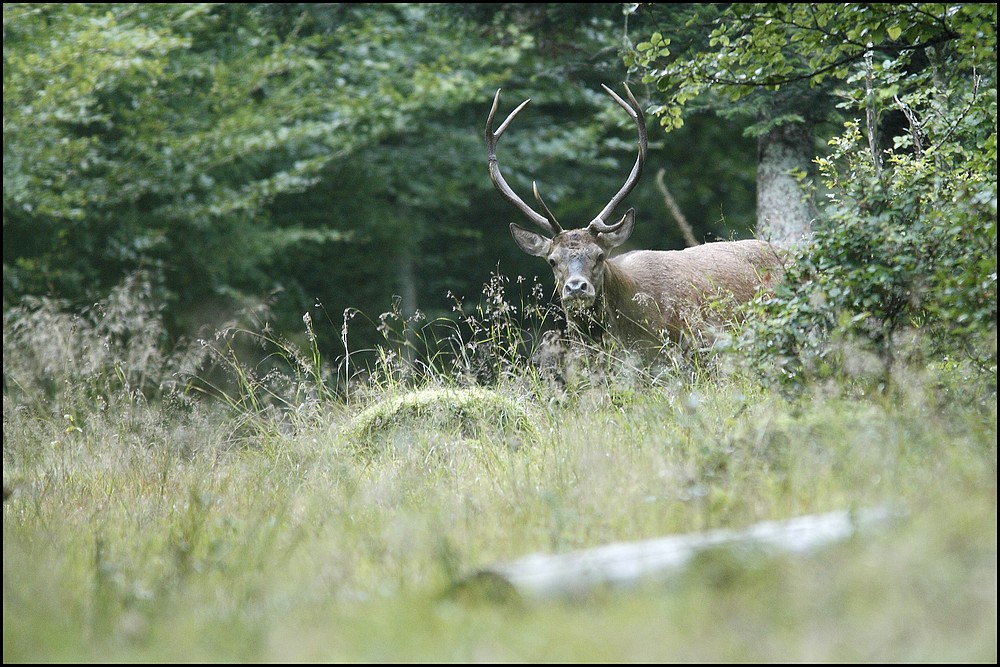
(784, 211)
(407, 278)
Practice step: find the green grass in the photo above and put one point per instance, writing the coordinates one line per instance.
(178, 531)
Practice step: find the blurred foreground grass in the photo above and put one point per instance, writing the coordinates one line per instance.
(141, 532)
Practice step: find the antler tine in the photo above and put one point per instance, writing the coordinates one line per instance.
(551, 218)
(549, 225)
(634, 111)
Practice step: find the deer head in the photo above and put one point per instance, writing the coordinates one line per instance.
(578, 257)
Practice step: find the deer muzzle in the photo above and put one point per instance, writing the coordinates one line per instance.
(578, 294)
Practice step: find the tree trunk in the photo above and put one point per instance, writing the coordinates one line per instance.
(784, 210)
(407, 278)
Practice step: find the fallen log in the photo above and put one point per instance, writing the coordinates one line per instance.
(578, 573)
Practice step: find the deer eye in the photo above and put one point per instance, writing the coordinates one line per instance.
(552, 262)
(600, 257)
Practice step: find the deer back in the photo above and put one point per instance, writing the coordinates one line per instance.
(679, 293)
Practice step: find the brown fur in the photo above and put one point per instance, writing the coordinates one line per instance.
(649, 294)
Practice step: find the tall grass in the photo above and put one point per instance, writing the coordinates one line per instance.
(166, 514)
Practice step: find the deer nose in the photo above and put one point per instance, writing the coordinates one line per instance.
(576, 288)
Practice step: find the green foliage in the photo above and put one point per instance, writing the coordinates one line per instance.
(128, 143)
(907, 241)
(161, 136)
(753, 47)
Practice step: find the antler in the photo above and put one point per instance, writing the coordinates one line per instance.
(600, 224)
(548, 224)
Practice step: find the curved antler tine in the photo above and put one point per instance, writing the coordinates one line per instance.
(548, 214)
(600, 227)
(510, 116)
(617, 98)
(493, 113)
(548, 224)
(635, 112)
(632, 106)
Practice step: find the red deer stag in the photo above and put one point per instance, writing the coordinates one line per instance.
(642, 297)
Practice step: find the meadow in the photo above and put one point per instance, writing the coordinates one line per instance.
(270, 518)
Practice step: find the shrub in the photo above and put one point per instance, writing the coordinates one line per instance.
(905, 248)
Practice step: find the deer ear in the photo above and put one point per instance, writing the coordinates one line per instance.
(530, 242)
(624, 230)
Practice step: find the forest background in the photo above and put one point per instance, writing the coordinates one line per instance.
(270, 161)
(268, 377)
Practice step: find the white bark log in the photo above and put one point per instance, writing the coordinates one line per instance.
(574, 574)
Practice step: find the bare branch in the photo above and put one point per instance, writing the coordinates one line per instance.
(675, 210)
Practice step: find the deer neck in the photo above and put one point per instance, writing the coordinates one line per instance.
(617, 310)
(625, 308)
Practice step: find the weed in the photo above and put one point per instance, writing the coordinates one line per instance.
(365, 487)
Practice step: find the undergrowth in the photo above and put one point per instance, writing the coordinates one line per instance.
(246, 498)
